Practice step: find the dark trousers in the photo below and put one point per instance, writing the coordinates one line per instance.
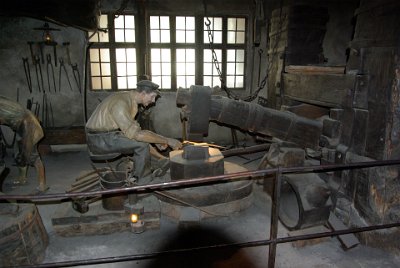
(116, 142)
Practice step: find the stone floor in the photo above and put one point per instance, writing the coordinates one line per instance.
(251, 224)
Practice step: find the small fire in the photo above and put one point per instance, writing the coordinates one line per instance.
(134, 218)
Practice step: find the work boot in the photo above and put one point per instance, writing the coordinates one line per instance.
(21, 179)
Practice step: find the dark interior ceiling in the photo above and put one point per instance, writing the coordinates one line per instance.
(81, 14)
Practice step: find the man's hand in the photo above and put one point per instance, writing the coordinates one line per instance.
(161, 146)
(174, 144)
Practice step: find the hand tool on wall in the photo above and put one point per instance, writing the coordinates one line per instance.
(35, 62)
(74, 67)
(77, 76)
(27, 74)
(66, 46)
(49, 67)
(32, 54)
(38, 71)
(62, 66)
(51, 114)
(44, 110)
(47, 111)
(29, 103)
(55, 54)
(37, 108)
(41, 47)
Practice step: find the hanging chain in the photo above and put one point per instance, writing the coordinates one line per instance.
(230, 94)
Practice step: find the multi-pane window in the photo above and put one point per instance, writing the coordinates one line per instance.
(229, 51)
(234, 68)
(126, 67)
(235, 58)
(215, 25)
(102, 34)
(175, 57)
(185, 36)
(113, 62)
(185, 30)
(161, 55)
(100, 66)
(125, 58)
(210, 73)
(161, 67)
(159, 29)
(100, 63)
(185, 67)
(236, 30)
(124, 26)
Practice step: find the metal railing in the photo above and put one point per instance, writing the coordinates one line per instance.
(246, 175)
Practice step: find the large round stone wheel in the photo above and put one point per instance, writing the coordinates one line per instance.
(219, 199)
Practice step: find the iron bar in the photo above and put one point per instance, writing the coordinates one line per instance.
(247, 150)
(274, 240)
(255, 174)
(273, 231)
(238, 245)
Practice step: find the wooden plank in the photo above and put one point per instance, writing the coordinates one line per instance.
(307, 110)
(359, 131)
(348, 241)
(72, 135)
(109, 222)
(331, 90)
(313, 69)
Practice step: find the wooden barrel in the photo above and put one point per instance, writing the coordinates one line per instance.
(23, 238)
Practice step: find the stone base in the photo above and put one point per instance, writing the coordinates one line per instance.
(215, 200)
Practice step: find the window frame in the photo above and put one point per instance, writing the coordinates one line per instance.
(199, 46)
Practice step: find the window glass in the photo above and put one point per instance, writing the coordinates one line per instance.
(235, 68)
(236, 31)
(126, 68)
(185, 67)
(101, 35)
(100, 68)
(173, 62)
(159, 29)
(161, 67)
(124, 28)
(211, 76)
(185, 30)
(215, 28)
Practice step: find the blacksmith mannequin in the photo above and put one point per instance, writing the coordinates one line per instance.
(112, 128)
(28, 134)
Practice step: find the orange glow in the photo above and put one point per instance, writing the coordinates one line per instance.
(134, 218)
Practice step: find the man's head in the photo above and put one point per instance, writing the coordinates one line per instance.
(147, 92)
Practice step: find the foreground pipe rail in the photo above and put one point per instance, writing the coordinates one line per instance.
(253, 175)
(272, 242)
(239, 245)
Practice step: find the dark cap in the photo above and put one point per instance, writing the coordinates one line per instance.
(148, 85)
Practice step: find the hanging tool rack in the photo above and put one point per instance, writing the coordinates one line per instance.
(43, 78)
